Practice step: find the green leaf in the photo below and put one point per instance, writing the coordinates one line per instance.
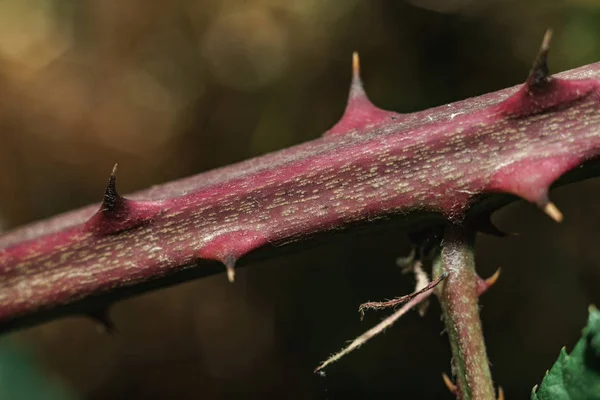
(23, 378)
(575, 376)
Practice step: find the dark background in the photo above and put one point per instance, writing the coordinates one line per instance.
(170, 89)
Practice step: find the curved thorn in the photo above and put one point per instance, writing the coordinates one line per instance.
(553, 212)
(494, 278)
(449, 384)
(500, 393)
(484, 284)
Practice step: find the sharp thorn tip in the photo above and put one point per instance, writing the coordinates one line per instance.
(230, 269)
(484, 284)
(104, 323)
(553, 212)
(494, 278)
(111, 196)
(501, 393)
(449, 384)
(355, 65)
(231, 274)
(540, 74)
(547, 39)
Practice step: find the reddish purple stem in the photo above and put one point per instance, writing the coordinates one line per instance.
(372, 165)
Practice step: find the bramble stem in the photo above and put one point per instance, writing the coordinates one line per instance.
(459, 301)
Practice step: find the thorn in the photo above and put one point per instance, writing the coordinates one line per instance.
(449, 384)
(553, 212)
(494, 278)
(484, 284)
(500, 393)
(117, 214)
(111, 196)
(539, 74)
(356, 87)
(541, 91)
(230, 266)
(360, 113)
(103, 321)
(355, 66)
(547, 39)
(231, 274)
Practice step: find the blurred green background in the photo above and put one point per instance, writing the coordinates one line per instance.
(170, 89)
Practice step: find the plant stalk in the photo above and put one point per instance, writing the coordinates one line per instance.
(459, 302)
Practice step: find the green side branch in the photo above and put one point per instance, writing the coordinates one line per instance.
(459, 302)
